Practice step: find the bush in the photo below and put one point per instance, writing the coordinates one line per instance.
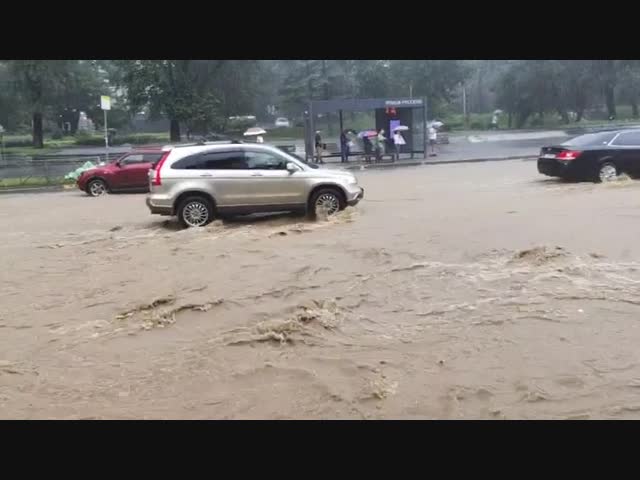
(18, 142)
(86, 138)
(478, 125)
(141, 139)
(537, 122)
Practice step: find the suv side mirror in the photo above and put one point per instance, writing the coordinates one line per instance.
(291, 167)
(118, 163)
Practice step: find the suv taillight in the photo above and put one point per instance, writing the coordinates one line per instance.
(156, 179)
(568, 155)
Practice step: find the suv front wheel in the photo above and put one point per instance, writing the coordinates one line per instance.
(195, 212)
(327, 201)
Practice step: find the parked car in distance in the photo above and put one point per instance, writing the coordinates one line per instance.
(598, 157)
(199, 183)
(126, 173)
(282, 123)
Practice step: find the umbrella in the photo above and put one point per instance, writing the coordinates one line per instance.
(367, 133)
(497, 112)
(435, 124)
(401, 128)
(255, 131)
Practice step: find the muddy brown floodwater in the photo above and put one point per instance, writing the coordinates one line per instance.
(457, 291)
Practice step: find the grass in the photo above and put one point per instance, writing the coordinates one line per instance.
(8, 183)
(21, 144)
(482, 121)
(285, 133)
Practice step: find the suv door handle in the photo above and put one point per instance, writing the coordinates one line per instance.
(206, 175)
(257, 175)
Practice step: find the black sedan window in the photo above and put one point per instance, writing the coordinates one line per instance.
(628, 139)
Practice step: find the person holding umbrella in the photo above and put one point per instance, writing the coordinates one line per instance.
(398, 141)
(257, 133)
(366, 135)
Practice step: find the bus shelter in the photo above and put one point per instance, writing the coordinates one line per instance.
(389, 113)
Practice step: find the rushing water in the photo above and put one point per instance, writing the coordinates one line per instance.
(468, 291)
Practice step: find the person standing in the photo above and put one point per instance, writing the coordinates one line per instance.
(344, 147)
(433, 137)
(494, 121)
(379, 144)
(398, 142)
(318, 147)
(366, 143)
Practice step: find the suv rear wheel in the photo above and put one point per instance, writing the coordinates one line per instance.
(195, 211)
(326, 200)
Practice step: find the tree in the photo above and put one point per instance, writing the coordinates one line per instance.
(13, 114)
(180, 89)
(629, 84)
(39, 84)
(434, 79)
(605, 74)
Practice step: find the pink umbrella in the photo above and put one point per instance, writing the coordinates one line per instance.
(367, 133)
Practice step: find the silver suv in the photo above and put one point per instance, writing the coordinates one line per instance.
(199, 182)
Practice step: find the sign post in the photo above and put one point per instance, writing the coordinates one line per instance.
(105, 104)
(1, 144)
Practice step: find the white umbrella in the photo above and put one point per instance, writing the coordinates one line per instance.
(253, 131)
(401, 128)
(436, 124)
(498, 112)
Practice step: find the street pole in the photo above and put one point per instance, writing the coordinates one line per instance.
(410, 89)
(1, 144)
(106, 135)
(105, 104)
(464, 105)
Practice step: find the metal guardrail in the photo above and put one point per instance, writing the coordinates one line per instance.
(16, 172)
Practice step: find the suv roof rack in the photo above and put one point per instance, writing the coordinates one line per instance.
(199, 144)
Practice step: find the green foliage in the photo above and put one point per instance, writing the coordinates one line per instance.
(17, 141)
(180, 89)
(133, 139)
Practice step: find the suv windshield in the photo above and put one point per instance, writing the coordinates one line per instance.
(591, 139)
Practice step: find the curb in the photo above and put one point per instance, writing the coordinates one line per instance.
(419, 163)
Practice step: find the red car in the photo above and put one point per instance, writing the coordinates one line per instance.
(129, 173)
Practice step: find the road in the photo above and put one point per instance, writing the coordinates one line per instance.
(460, 148)
(452, 291)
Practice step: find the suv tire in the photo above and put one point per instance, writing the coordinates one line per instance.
(97, 187)
(195, 211)
(331, 198)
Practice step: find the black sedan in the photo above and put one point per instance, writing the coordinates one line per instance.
(597, 157)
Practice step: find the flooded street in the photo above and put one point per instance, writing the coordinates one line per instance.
(453, 291)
